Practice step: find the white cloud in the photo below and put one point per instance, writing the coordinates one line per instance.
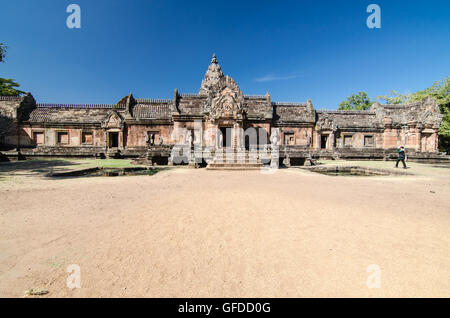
(271, 78)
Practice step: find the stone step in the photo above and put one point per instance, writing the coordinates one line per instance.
(221, 164)
(235, 160)
(240, 155)
(234, 166)
(113, 153)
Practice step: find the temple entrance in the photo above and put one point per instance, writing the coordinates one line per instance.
(113, 140)
(323, 141)
(226, 136)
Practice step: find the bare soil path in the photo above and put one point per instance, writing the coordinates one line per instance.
(198, 233)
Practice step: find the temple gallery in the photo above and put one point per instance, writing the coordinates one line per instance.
(228, 120)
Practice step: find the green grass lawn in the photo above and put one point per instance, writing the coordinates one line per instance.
(103, 163)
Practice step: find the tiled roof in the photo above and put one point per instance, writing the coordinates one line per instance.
(293, 113)
(10, 98)
(81, 106)
(153, 101)
(254, 97)
(289, 104)
(68, 115)
(148, 111)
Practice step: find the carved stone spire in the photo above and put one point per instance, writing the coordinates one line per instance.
(212, 76)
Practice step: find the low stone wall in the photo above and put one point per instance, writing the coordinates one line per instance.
(355, 170)
(84, 172)
(64, 151)
(290, 155)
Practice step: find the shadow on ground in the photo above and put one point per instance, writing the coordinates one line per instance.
(33, 167)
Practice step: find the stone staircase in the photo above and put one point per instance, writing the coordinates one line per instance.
(113, 153)
(234, 159)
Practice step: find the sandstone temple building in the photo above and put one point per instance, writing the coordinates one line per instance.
(152, 128)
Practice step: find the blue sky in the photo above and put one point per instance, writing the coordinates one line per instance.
(295, 50)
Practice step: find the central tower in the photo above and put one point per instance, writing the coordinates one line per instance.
(224, 106)
(212, 76)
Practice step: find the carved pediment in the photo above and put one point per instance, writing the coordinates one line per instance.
(326, 123)
(225, 100)
(430, 114)
(113, 120)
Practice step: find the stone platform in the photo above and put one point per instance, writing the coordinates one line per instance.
(232, 159)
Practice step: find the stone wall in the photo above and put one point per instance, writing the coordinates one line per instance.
(9, 106)
(136, 134)
(13, 110)
(74, 136)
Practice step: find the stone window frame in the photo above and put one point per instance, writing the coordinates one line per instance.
(88, 131)
(57, 132)
(373, 141)
(343, 140)
(289, 133)
(156, 132)
(34, 131)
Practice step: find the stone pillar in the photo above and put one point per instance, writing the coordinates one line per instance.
(236, 136)
(434, 142)
(219, 138)
(419, 140)
(106, 138)
(121, 143)
(331, 141)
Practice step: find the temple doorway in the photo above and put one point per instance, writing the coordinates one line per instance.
(323, 141)
(113, 140)
(226, 136)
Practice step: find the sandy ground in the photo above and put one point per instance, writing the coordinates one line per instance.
(198, 233)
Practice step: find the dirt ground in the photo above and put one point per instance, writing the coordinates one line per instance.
(198, 233)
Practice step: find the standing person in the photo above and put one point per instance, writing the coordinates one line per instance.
(401, 157)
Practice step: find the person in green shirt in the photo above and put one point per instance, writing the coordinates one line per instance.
(401, 157)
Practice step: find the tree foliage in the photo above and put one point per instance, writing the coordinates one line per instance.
(2, 52)
(7, 85)
(394, 98)
(9, 88)
(439, 91)
(360, 101)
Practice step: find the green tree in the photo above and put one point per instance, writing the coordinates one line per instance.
(9, 88)
(444, 133)
(2, 52)
(394, 98)
(360, 101)
(7, 85)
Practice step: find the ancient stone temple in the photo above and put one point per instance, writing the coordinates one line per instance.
(219, 117)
